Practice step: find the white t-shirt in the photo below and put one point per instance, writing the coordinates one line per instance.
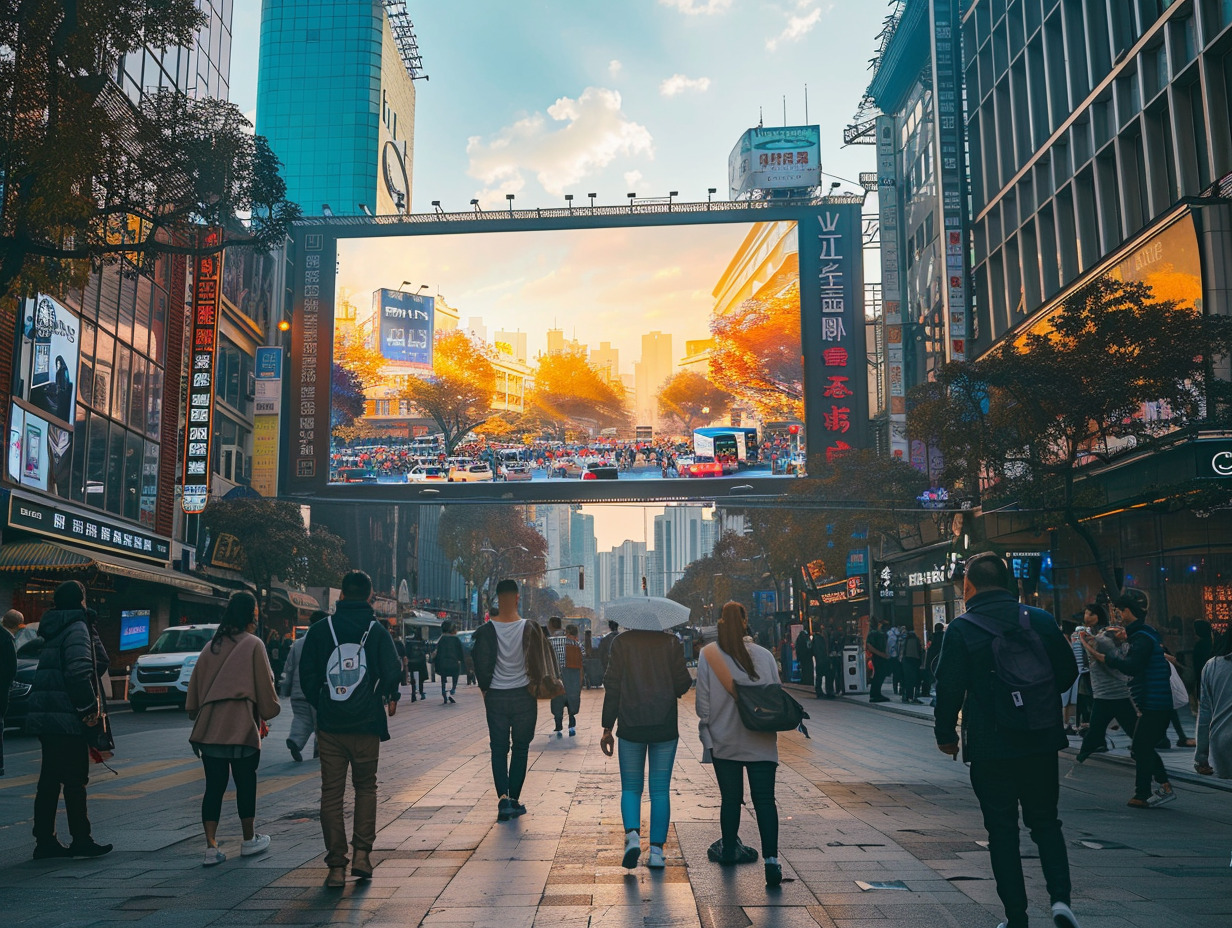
(510, 673)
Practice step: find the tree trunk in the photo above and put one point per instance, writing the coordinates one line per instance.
(1106, 573)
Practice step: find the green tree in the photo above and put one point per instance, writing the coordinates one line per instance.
(569, 394)
(457, 395)
(275, 544)
(691, 400)
(90, 176)
(1113, 369)
(486, 543)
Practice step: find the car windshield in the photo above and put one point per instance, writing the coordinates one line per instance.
(181, 640)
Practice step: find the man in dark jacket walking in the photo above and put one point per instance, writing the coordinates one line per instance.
(350, 730)
(8, 673)
(1010, 767)
(1150, 684)
(64, 713)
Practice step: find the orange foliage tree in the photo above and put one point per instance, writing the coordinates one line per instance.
(570, 394)
(691, 400)
(756, 355)
(457, 395)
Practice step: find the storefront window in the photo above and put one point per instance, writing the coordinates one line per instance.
(115, 470)
(134, 458)
(96, 461)
(123, 371)
(104, 366)
(149, 483)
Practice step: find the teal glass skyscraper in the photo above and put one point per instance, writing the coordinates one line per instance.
(336, 99)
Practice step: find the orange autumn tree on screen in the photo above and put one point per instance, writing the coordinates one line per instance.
(756, 354)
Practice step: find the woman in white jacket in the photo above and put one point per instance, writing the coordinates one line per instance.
(734, 749)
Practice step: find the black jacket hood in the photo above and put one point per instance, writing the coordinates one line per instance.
(54, 623)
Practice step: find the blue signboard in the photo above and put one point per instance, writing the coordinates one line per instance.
(134, 629)
(763, 603)
(269, 363)
(857, 562)
(405, 327)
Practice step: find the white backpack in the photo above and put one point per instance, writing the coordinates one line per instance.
(347, 665)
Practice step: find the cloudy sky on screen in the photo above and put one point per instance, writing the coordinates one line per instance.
(545, 97)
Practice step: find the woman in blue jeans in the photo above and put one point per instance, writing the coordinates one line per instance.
(646, 675)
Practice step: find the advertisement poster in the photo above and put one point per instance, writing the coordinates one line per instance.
(39, 452)
(134, 629)
(782, 158)
(406, 321)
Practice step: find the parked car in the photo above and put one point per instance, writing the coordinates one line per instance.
(599, 471)
(19, 690)
(160, 676)
(427, 473)
(474, 472)
(356, 475)
(515, 470)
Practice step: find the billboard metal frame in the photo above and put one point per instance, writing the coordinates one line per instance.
(831, 282)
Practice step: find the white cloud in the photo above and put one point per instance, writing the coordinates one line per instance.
(614, 67)
(632, 179)
(575, 139)
(699, 7)
(797, 27)
(678, 84)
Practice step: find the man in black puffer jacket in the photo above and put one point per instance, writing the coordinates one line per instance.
(64, 707)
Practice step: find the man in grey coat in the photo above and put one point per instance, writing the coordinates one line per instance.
(303, 715)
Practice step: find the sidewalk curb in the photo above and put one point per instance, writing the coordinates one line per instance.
(1180, 776)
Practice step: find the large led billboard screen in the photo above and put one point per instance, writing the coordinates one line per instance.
(490, 353)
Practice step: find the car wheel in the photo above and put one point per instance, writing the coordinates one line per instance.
(138, 706)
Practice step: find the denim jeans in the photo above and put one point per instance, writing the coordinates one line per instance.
(633, 756)
(730, 774)
(1033, 783)
(511, 718)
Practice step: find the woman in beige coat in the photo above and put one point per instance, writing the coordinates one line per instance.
(230, 697)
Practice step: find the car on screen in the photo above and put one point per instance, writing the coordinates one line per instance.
(597, 470)
(427, 473)
(474, 472)
(567, 468)
(697, 468)
(356, 475)
(160, 676)
(515, 470)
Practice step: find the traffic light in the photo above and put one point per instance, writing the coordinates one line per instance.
(581, 578)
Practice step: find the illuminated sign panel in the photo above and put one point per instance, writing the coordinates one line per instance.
(199, 420)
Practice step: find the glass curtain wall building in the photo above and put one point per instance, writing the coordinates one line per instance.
(336, 99)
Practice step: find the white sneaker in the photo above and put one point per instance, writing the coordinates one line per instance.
(1063, 916)
(1160, 797)
(213, 857)
(633, 850)
(258, 844)
(655, 858)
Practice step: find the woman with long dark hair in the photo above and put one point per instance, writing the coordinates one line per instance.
(733, 749)
(230, 697)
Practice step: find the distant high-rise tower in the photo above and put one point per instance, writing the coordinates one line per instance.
(336, 99)
(656, 365)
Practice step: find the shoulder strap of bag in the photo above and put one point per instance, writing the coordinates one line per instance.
(367, 631)
(982, 622)
(329, 620)
(719, 667)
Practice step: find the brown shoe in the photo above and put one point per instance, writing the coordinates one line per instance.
(1137, 803)
(336, 878)
(361, 865)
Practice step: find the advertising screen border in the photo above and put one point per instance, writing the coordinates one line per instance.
(829, 236)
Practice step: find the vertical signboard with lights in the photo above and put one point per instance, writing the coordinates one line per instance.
(951, 180)
(311, 357)
(891, 284)
(199, 421)
(833, 332)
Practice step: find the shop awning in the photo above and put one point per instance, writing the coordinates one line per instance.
(297, 599)
(25, 556)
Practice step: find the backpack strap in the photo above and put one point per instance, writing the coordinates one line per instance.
(329, 620)
(367, 632)
(983, 623)
(719, 668)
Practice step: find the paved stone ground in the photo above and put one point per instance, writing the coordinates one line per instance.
(867, 799)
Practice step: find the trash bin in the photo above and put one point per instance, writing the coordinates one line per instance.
(854, 676)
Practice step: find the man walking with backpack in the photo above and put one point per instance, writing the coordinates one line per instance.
(349, 670)
(1005, 666)
(1150, 684)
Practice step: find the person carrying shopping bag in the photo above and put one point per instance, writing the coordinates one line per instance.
(735, 750)
(230, 698)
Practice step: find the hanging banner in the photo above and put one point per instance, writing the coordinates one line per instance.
(199, 421)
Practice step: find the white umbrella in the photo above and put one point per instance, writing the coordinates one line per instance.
(646, 613)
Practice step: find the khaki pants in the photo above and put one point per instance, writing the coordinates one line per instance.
(360, 753)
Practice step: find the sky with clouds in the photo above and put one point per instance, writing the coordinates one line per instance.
(541, 98)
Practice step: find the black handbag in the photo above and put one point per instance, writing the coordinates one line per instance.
(764, 707)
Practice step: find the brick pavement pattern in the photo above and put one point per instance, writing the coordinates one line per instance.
(868, 800)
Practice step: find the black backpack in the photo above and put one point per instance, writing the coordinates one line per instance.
(1024, 686)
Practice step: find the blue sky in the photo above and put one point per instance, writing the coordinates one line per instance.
(544, 97)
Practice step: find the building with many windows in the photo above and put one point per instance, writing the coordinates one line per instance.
(336, 99)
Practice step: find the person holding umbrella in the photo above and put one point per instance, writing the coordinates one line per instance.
(646, 675)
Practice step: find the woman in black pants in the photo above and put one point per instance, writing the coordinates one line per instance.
(733, 749)
(230, 697)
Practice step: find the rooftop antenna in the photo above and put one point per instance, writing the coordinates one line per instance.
(784, 109)
(806, 104)
(760, 118)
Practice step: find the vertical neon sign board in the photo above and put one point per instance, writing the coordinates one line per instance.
(203, 344)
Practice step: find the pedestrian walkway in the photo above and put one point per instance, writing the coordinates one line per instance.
(1178, 761)
(878, 831)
